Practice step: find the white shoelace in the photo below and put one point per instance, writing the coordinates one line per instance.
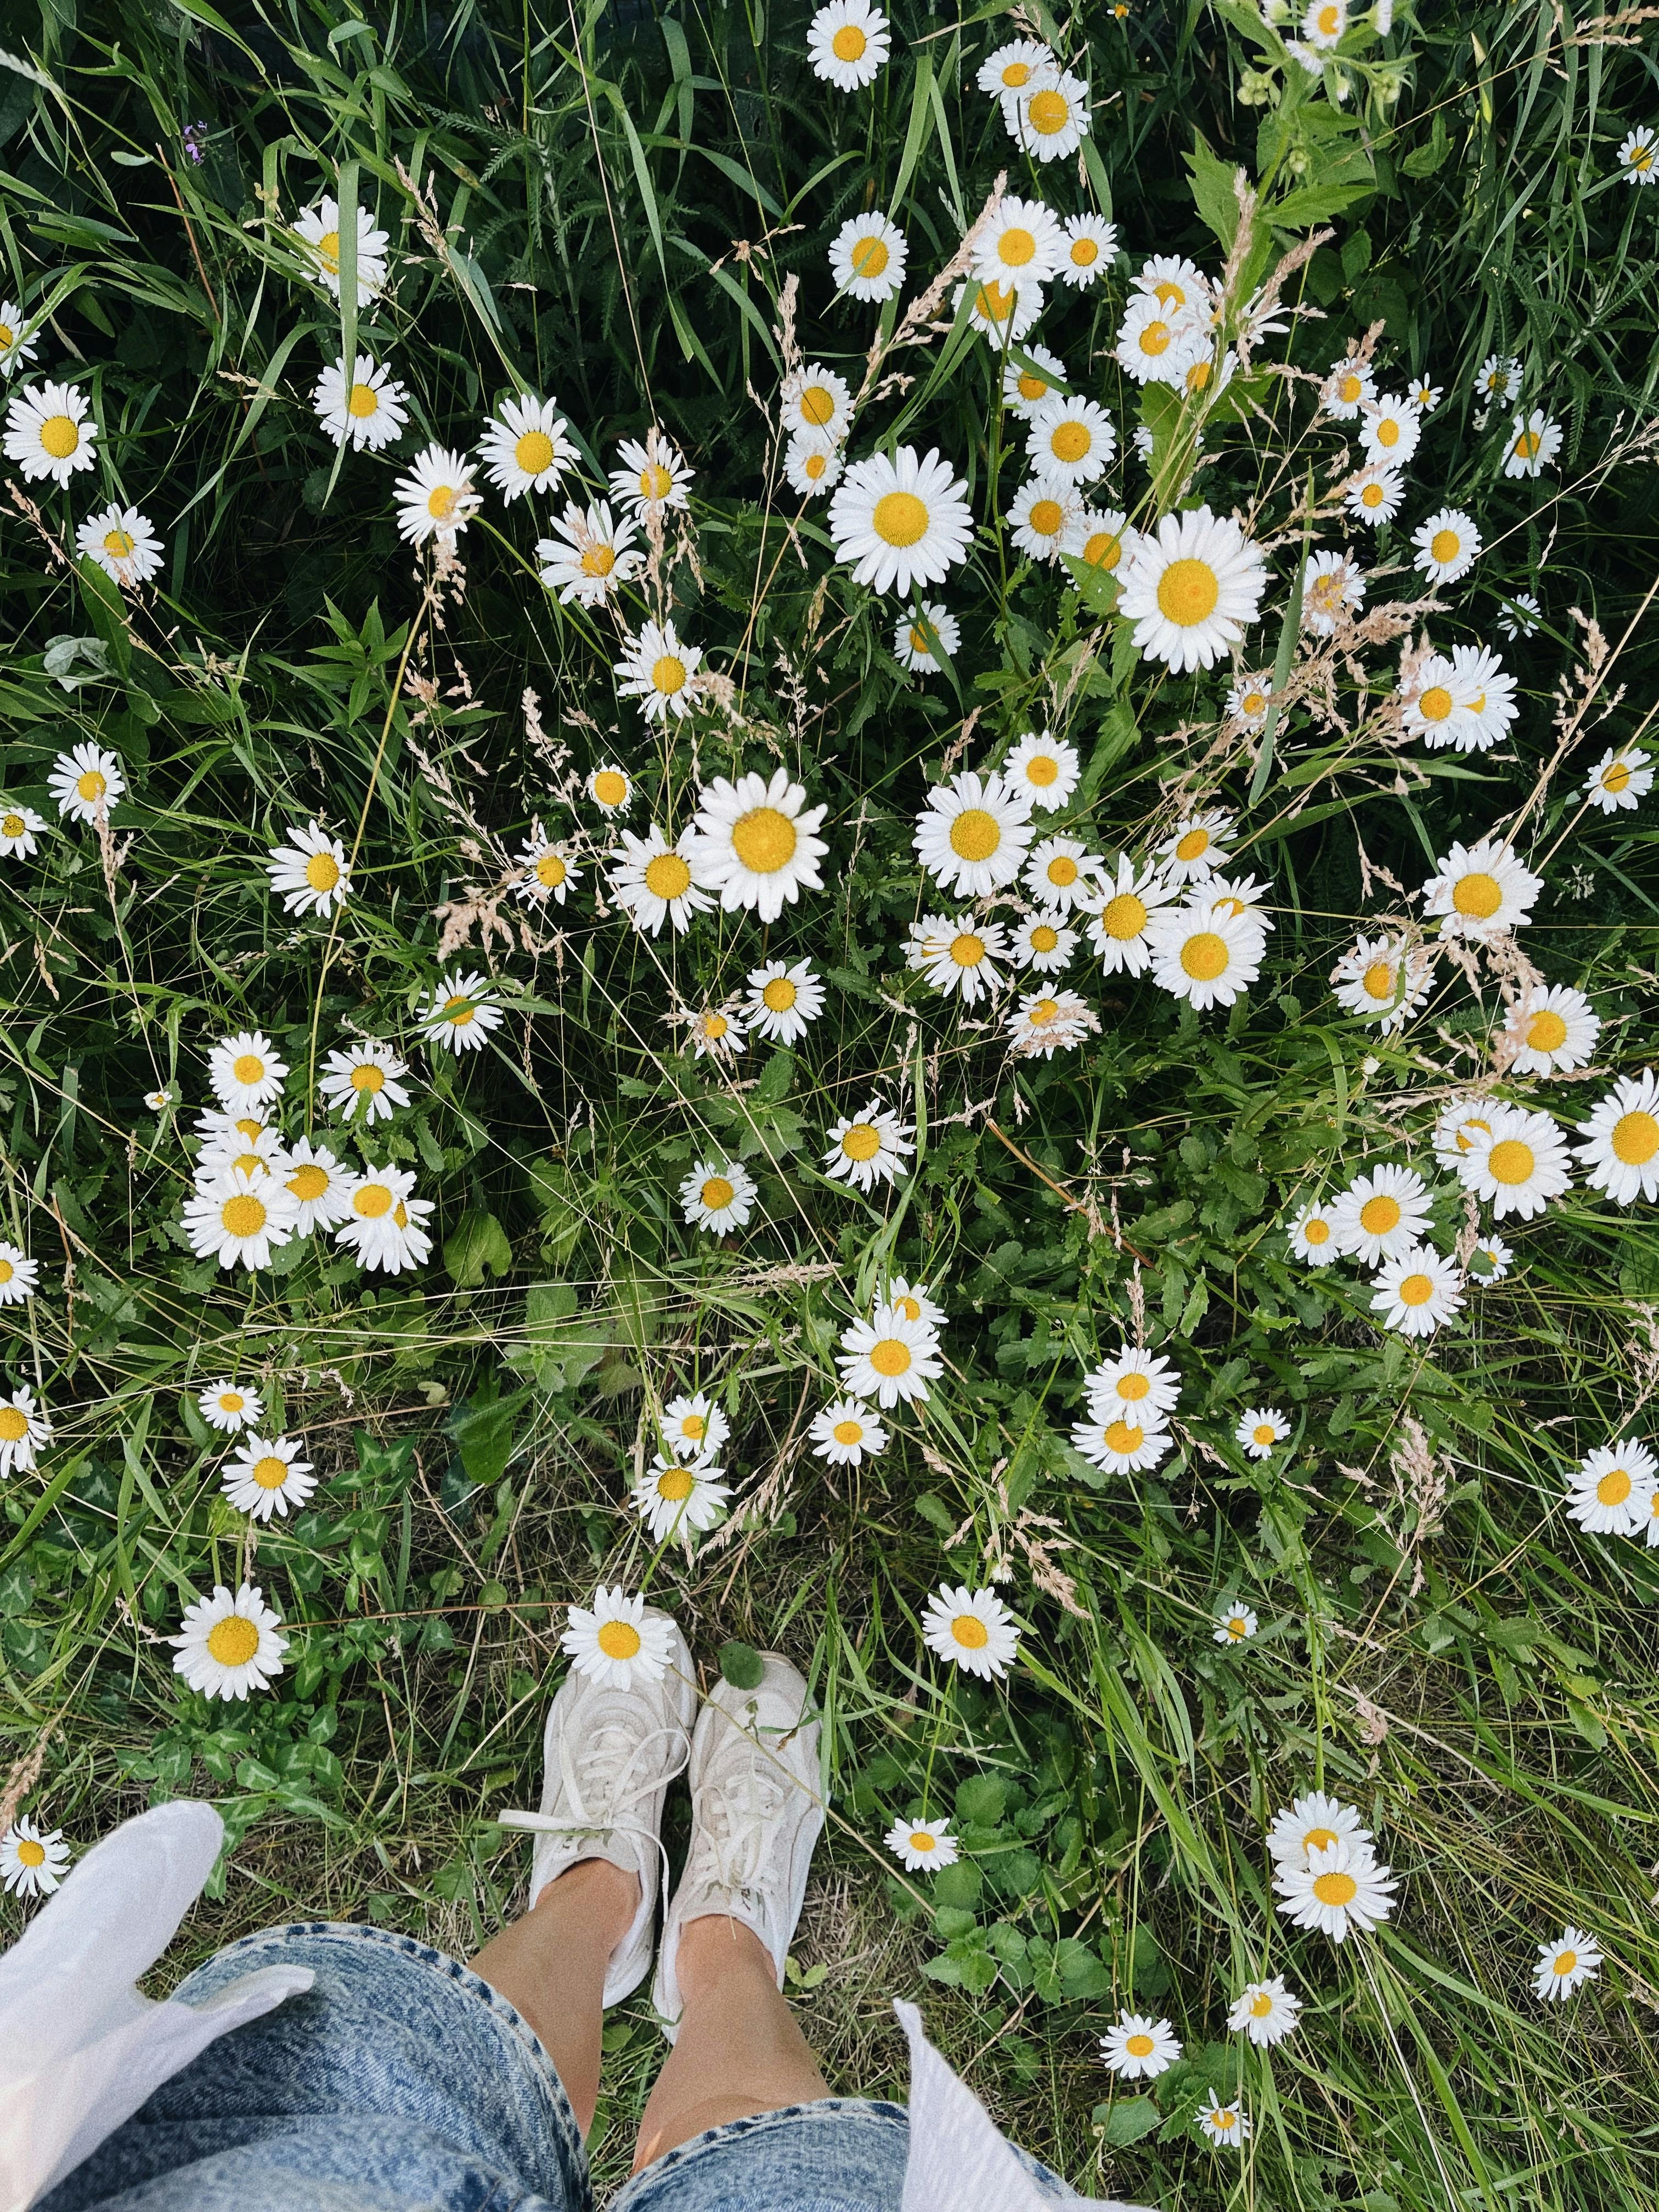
(599, 1793)
(738, 1806)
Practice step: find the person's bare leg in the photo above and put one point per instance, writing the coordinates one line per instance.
(739, 2050)
(551, 1965)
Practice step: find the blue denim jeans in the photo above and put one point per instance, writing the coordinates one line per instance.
(400, 2082)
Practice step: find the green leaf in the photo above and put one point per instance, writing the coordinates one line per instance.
(742, 1665)
(957, 1886)
(776, 1078)
(1126, 2120)
(1213, 195)
(477, 1242)
(981, 1800)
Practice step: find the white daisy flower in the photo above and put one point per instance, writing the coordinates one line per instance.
(19, 1275)
(1062, 872)
(526, 445)
(1427, 395)
(653, 477)
(229, 1407)
(226, 1646)
(1266, 2011)
(1312, 1234)
(693, 1426)
(386, 1223)
(1012, 67)
(754, 842)
(654, 881)
(1048, 1021)
(1521, 1166)
(1499, 380)
(1206, 954)
(1026, 383)
(85, 781)
(1313, 1822)
(782, 1000)
(32, 1862)
(50, 432)
(1234, 1624)
(1122, 1443)
(18, 344)
(659, 669)
(1048, 117)
(959, 956)
(1157, 345)
(1490, 1261)
(867, 258)
(1071, 440)
(1140, 2047)
(1621, 1157)
(319, 229)
(1042, 942)
(1340, 1890)
(611, 788)
(1000, 312)
(847, 42)
(1534, 441)
(20, 826)
(369, 409)
(1324, 23)
(590, 555)
(1196, 846)
(718, 1195)
(266, 1475)
(1179, 285)
(1481, 891)
(714, 1033)
(1145, 1384)
(547, 870)
(1261, 1430)
(1104, 539)
(1122, 914)
(890, 1358)
(1415, 1291)
(846, 1433)
(1384, 980)
(1045, 769)
(319, 1183)
(258, 1155)
(1612, 1493)
(1191, 589)
(1333, 588)
(1375, 493)
(678, 1501)
(1227, 2125)
(1249, 699)
(1555, 1030)
(901, 521)
(460, 1012)
(1381, 1214)
(1089, 243)
(1620, 780)
(1390, 429)
(122, 542)
(437, 498)
(972, 835)
(1568, 1963)
(815, 403)
(915, 1302)
(364, 1078)
(1639, 156)
(1021, 244)
(616, 1642)
(921, 1846)
(1044, 517)
(310, 874)
(1448, 545)
(974, 1628)
(1349, 386)
(915, 637)
(811, 463)
(870, 1147)
(25, 1429)
(246, 1073)
(1462, 1125)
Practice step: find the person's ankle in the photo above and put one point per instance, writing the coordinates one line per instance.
(607, 1896)
(715, 1946)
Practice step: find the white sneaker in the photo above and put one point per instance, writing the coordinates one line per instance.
(756, 1811)
(609, 1756)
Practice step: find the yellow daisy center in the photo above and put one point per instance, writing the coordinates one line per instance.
(1044, 1011)
(1635, 1139)
(667, 876)
(1546, 1032)
(1085, 252)
(818, 405)
(1264, 1433)
(870, 256)
(1045, 938)
(1046, 516)
(1031, 386)
(718, 1194)
(369, 1078)
(1317, 1231)
(533, 453)
(1017, 74)
(13, 1424)
(1124, 917)
(322, 872)
(610, 786)
(780, 993)
(231, 1402)
(31, 1854)
(1615, 1487)
(119, 544)
(440, 501)
(1204, 956)
(1350, 388)
(1133, 1388)
(1377, 982)
(60, 436)
(458, 1013)
(1155, 338)
(1478, 895)
(967, 950)
(1373, 493)
(1138, 2046)
(1124, 1437)
(1187, 592)
(373, 1202)
(765, 840)
(243, 1215)
(1049, 112)
(598, 560)
(970, 1631)
(1335, 1889)
(847, 1432)
(619, 1639)
(900, 518)
(233, 1640)
(1510, 1161)
(12, 826)
(270, 1472)
(1527, 445)
(550, 871)
(848, 43)
(676, 1484)
(668, 674)
(1070, 441)
(862, 1141)
(1261, 2005)
(327, 249)
(308, 1181)
(922, 1841)
(975, 833)
(1564, 1962)
(1015, 246)
(891, 1355)
(1379, 1215)
(90, 786)
(1445, 545)
(363, 401)
(996, 303)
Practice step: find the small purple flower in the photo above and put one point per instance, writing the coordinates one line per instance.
(196, 142)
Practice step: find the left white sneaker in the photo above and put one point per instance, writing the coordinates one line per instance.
(609, 1756)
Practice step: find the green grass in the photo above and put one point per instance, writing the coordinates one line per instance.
(608, 208)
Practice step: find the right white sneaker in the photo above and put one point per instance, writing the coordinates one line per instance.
(756, 1811)
(609, 1756)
